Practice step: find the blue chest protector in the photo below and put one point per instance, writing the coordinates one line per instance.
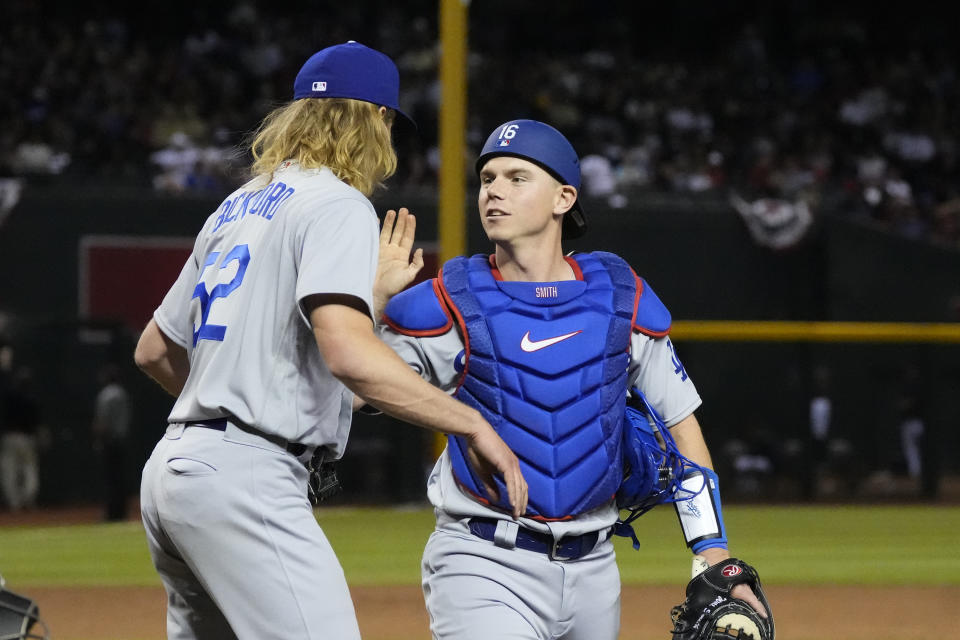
(546, 365)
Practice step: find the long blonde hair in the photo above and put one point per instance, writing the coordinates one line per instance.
(349, 137)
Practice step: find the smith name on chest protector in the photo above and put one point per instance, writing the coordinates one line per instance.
(545, 363)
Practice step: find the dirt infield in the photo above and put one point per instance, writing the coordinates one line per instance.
(397, 613)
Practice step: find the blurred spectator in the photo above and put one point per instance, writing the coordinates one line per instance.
(19, 434)
(34, 156)
(10, 191)
(754, 462)
(185, 166)
(844, 108)
(946, 220)
(820, 420)
(912, 428)
(177, 162)
(111, 431)
(865, 108)
(599, 180)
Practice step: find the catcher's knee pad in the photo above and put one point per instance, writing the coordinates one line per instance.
(709, 612)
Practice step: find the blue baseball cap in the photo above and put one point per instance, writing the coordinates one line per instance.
(543, 145)
(350, 70)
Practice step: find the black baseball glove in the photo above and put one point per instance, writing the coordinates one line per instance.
(710, 613)
(323, 482)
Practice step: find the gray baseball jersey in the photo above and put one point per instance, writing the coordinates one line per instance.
(235, 306)
(475, 588)
(229, 526)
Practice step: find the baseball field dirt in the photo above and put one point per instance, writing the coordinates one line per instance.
(396, 611)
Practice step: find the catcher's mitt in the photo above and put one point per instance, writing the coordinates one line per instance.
(710, 613)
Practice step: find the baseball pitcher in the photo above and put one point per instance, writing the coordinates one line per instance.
(264, 339)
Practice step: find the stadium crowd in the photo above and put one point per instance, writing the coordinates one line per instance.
(833, 112)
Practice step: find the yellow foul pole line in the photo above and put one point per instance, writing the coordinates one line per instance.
(775, 331)
(453, 125)
(452, 227)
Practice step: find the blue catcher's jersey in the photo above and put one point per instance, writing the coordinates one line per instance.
(546, 365)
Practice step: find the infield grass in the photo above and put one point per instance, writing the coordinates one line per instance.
(868, 545)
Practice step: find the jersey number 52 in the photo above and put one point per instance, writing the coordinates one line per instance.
(206, 331)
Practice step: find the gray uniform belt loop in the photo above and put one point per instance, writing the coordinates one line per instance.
(505, 535)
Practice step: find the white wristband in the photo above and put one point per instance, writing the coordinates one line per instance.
(701, 516)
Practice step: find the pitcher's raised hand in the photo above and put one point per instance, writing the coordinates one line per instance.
(396, 269)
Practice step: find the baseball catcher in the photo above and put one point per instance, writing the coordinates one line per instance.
(569, 356)
(709, 612)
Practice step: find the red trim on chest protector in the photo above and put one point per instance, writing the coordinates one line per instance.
(424, 333)
(636, 307)
(448, 302)
(487, 503)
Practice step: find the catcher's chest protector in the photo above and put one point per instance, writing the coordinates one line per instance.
(546, 365)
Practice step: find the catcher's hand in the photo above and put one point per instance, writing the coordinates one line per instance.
(709, 612)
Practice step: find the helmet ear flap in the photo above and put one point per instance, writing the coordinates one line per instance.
(574, 223)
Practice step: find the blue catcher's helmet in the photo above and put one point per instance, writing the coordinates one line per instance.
(654, 468)
(543, 145)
